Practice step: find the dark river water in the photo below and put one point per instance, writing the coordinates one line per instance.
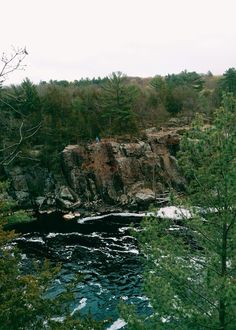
(102, 249)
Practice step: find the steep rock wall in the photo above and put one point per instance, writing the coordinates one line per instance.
(115, 172)
(127, 174)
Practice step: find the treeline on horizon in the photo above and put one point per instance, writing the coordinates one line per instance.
(70, 112)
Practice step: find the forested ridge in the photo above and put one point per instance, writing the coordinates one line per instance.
(63, 112)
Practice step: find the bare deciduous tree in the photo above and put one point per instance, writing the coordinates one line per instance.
(10, 63)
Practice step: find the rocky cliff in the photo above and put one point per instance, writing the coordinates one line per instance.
(127, 174)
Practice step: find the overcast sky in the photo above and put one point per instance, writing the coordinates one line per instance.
(71, 39)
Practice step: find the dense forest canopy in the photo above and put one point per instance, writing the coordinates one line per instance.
(66, 112)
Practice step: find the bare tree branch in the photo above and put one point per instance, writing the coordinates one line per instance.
(22, 138)
(12, 62)
(10, 106)
(8, 64)
(12, 158)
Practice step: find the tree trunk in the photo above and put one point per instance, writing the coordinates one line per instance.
(222, 303)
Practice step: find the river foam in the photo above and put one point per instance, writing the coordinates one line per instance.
(118, 324)
(168, 212)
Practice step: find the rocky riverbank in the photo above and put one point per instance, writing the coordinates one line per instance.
(114, 174)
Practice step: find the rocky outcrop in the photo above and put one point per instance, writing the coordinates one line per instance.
(127, 174)
(124, 173)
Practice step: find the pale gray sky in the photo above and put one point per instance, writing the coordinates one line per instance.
(71, 39)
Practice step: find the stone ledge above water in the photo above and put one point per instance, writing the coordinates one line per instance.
(130, 175)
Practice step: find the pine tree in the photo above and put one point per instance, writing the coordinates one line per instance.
(190, 274)
(117, 100)
(228, 81)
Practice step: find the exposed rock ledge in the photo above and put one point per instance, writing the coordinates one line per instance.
(111, 173)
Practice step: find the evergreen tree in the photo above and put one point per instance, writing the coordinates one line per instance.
(191, 268)
(117, 100)
(159, 85)
(173, 103)
(86, 113)
(228, 81)
(191, 79)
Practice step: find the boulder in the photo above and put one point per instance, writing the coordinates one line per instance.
(145, 197)
(65, 194)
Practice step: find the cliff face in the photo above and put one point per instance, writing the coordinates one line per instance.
(124, 173)
(129, 174)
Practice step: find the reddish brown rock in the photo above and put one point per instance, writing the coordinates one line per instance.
(124, 172)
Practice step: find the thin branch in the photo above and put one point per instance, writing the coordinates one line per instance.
(13, 62)
(16, 145)
(204, 264)
(9, 147)
(14, 156)
(198, 231)
(189, 287)
(37, 127)
(29, 158)
(10, 106)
